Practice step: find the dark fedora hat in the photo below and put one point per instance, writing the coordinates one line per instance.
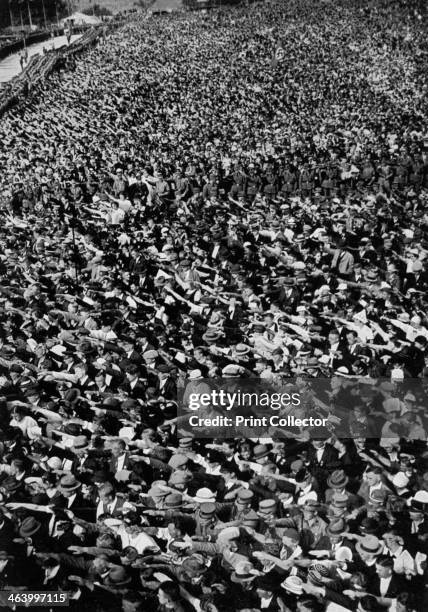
(173, 501)
(29, 527)
(10, 484)
(337, 527)
(337, 480)
(260, 451)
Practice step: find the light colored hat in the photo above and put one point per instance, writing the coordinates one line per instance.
(178, 461)
(370, 544)
(410, 397)
(421, 496)
(342, 371)
(242, 349)
(156, 491)
(360, 316)
(80, 442)
(384, 442)
(343, 553)
(68, 483)
(400, 480)
(244, 572)
(180, 477)
(204, 495)
(33, 480)
(54, 463)
(231, 370)
(195, 374)
(293, 584)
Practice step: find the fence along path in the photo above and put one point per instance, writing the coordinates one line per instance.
(10, 66)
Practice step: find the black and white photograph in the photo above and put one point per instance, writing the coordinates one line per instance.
(214, 305)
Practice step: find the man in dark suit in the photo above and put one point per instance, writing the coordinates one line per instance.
(386, 583)
(268, 592)
(120, 457)
(71, 498)
(108, 502)
(228, 487)
(84, 381)
(287, 294)
(234, 316)
(11, 570)
(354, 346)
(166, 386)
(418, 539)
(53, 574)
(322, 458)
(134, 386)
(337, 349)
(373, 480)
(6, 532)
(417, 279)
(335, 538)
(130, 356)
(78, 458)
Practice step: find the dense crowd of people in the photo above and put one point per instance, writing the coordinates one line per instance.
(239, 193)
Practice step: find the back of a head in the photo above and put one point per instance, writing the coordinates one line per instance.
(171, 590)
(369, 603)
(137, 602)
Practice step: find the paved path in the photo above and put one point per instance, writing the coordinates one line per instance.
(10, 66)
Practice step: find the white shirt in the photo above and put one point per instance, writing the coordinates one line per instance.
(265, 603)
(320, 452)
(384, 585)
(141, 541)
(213, 471)
(70, 500)
(110, 507)
(121, 462)
(375, 487)
(305, 494)
(51, 573)
(215, 251)
(415, 525)
(76, 595)
(164, 534)
(24, 425)
(116, 216)
(331, 354)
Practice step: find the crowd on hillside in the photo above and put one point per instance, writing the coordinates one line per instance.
(233, 194)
